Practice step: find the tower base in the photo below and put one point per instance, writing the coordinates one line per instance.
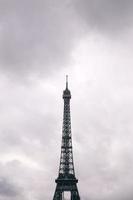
(66, 184)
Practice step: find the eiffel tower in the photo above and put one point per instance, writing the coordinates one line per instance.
(66, 181)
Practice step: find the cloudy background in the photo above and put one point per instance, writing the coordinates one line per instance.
(40, 42)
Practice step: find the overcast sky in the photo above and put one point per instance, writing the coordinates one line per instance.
(40, 42)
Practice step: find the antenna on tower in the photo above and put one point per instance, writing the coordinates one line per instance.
(66, 81)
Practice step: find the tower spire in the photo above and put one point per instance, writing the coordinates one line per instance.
(66, 81)
(66, 180)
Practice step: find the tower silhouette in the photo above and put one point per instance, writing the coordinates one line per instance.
(66, 181)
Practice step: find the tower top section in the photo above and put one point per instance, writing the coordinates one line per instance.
(66, 92)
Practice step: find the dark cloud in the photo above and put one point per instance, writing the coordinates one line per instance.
(109, 16)
(36, 36)
(7, 188)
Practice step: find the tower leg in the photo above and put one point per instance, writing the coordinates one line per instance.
(75, 195)
(57, 195)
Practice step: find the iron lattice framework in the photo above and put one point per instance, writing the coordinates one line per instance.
(66, 180)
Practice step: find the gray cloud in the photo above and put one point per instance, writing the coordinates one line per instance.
(109, 16)
(19, 181)
(7, 189)
(36, 36)
(27, 152)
